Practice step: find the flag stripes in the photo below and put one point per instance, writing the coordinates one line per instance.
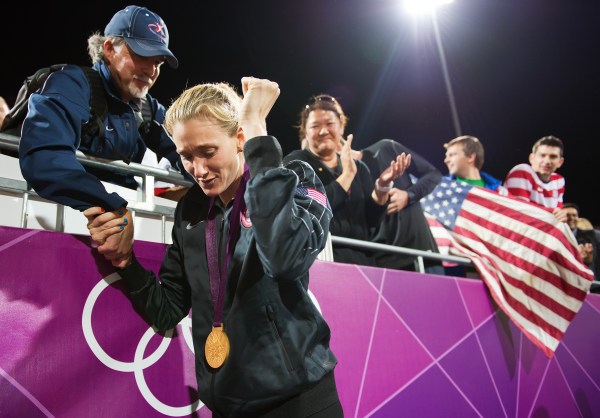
(314, 194)
(442, 238)
(528, 259)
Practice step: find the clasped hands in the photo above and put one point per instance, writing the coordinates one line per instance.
(112, 234)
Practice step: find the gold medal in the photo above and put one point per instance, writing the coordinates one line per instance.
(216, 348)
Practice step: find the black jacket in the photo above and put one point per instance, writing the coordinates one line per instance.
(279, 340)
(407, 228)
(355, 213)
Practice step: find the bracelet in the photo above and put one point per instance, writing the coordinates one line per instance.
(385, 189)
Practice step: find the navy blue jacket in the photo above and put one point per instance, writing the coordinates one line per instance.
(51, 136)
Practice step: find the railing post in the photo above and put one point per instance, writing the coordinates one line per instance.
(24, 213)
(420, 264)
(147, 188)
(60, 218)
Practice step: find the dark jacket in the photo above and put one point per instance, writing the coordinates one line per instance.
(407, 228)
(51, 136)
(279, 340)
(354, 213)
(590, 236)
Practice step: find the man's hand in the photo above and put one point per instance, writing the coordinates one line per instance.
(259, 97)
(4, 109)
(398, 201)
(560, 214)
(586, 250)
(384, 183)
(112, 232)
(396, 169)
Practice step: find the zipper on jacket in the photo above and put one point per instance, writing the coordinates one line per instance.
(271, 315)
(212, 390)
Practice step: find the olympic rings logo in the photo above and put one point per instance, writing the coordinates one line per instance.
(139, 362)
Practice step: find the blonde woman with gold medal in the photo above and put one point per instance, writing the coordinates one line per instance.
(244, 239)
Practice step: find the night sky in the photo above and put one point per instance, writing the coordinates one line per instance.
(520, 69)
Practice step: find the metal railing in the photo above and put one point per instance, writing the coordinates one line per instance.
(419, 254)
(148, 174)
(148, 207)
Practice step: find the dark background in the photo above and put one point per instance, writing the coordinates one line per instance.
(520, 69)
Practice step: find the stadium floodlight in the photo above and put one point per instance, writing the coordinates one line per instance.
(429, 7)
(423, 6)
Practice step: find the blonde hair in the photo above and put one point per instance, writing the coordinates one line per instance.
(584, 224)
(219, 101)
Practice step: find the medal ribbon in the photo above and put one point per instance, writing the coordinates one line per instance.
(218, 275)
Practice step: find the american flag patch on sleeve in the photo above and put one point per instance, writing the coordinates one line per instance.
(314, 194)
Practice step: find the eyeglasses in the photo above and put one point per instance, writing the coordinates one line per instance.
(320, 98)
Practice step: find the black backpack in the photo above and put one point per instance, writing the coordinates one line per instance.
(94, 127)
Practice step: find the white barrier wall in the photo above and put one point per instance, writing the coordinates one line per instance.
(43, 214)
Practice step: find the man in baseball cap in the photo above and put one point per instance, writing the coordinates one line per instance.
(103, 111)
(144, 31)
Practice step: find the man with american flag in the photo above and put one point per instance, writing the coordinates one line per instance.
(527, 258)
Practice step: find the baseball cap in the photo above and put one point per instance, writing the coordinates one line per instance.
(144, 31)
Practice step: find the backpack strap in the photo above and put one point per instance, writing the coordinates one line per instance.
(147, 111)
(98, 106)
(150, 129)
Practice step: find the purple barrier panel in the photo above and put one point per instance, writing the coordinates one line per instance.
(72, 345)
(408, 344)
(439, 347)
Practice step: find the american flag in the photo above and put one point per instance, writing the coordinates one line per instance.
(528, 259)
(442, 238)
(313, 194)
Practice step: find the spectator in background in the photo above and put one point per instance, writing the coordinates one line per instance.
(128, 57)
(3, 109)
(572, 214)
(356, 200)
(584, 224)
(404, 224)
(594, 261)
(464, 158)
(586, 236)
(538, 182)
